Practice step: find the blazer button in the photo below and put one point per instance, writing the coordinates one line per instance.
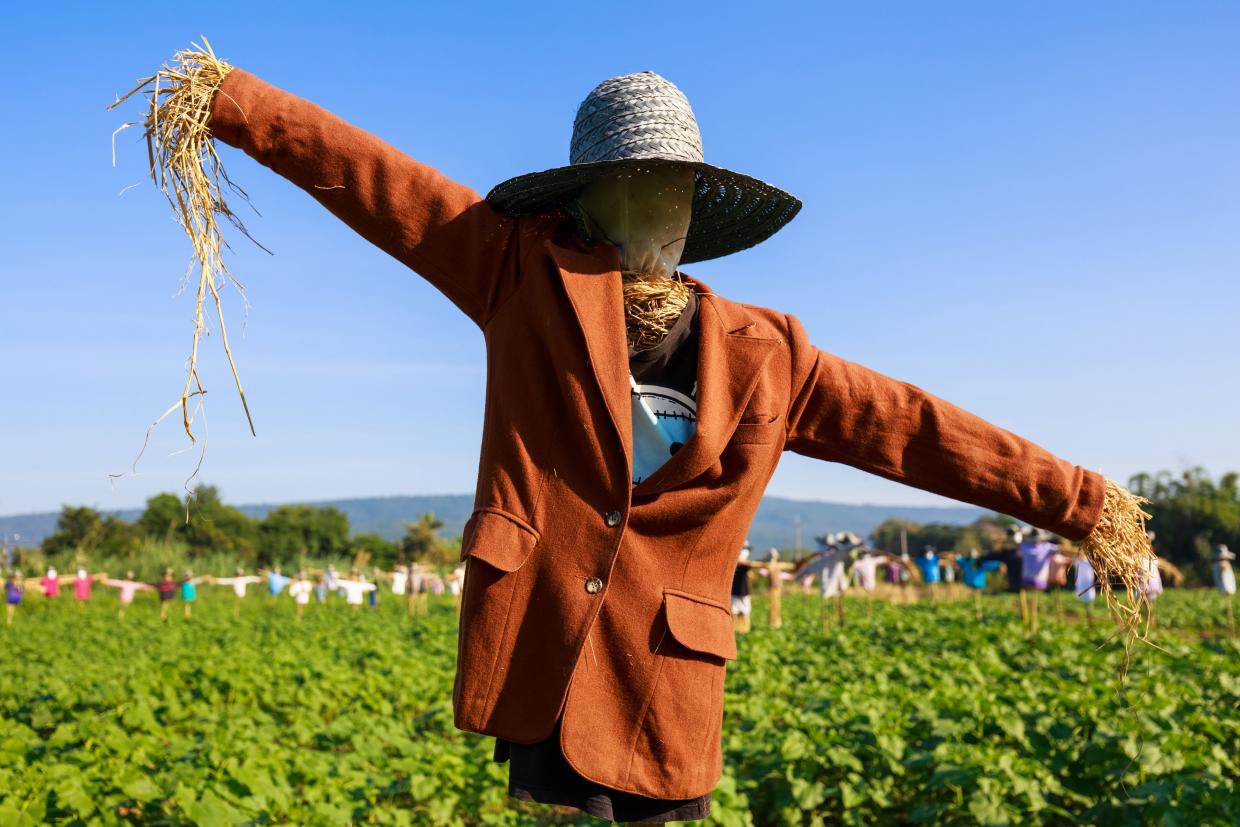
(613, 518)
(594, 585)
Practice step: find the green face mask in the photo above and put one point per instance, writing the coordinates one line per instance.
(645, 214)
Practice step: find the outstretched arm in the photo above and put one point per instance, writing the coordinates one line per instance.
(439, 228)
(846, 413)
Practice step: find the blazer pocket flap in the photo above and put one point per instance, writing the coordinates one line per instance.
(700, 624)
(761, 429)
(498, 539)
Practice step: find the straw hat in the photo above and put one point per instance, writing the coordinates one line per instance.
(1221, 552)
(639, 121)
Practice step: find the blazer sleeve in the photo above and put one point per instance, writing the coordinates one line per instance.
(843, 412)
(441, 229)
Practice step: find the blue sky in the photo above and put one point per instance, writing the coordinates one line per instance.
(1031, 209)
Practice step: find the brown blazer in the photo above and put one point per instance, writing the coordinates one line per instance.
(585, 597)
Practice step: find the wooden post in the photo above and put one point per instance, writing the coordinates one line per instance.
(1024, 609)
(1231, 618)
(840, 609)
(776, 592)
(1033, 614)
(1058, 607)
(977, 604)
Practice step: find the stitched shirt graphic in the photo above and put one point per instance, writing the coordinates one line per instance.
(663, 421)
(663, 385)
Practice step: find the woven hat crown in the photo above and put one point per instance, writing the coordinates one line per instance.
(641, 116)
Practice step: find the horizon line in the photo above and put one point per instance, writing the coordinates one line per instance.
(462, 494)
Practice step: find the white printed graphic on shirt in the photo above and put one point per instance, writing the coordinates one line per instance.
(663, 421)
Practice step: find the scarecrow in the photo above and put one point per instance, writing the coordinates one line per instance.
(1010, 557)
(1225, 580)
(355, 589)
(82, 584)
(1037, 548)
(125, 590)
(831, 566)
(189, 592)
(14, 588)
(973, 572)
(865, 573)
(928, 565)
(1085, 583)
(740, 599)
(168, 587)
(300, 590)
(240, 583)
(276, 582)
(1221, 572)
(51, 584)
(633, 416)
(1151, 579)
(865, 570)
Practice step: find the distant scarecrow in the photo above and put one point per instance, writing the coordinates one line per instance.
(633, 416)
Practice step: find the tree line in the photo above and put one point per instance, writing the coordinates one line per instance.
(203, 526)
(1192, 513)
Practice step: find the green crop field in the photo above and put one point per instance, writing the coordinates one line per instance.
(915, 714)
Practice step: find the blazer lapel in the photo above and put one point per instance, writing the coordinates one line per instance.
(592, 283)
(730, 361)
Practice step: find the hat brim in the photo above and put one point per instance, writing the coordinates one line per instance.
(731, 211)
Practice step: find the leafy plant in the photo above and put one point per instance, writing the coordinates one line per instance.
(911, 714)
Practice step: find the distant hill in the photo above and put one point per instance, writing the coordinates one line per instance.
(774, 525)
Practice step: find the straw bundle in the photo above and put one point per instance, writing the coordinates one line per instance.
(652, 304)
(1120, 552)
(184, 163)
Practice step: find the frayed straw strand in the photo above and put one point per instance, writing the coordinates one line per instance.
(1120, 552)
(184, 163)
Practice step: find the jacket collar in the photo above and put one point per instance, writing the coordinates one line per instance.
(591, 278)
(731, 355)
